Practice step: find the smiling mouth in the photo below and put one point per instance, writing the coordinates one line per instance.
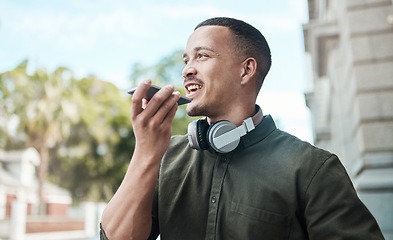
(193, 88)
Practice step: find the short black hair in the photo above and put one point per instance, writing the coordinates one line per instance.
(249, 42)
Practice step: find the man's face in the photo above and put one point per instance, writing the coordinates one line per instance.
(212, 72)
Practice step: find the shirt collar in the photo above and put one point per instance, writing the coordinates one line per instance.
(261, 131)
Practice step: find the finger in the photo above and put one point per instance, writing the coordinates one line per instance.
(137, 97)
(158, 100)
(171, 114)
(167, 106)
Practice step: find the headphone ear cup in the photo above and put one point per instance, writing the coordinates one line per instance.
(202, 128)
(220, 128)
(197, 134)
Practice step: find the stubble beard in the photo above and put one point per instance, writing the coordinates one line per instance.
(196, 110)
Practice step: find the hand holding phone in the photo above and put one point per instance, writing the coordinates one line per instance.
(153, 89)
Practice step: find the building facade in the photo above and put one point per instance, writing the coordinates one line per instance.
(349, 49)
(19, 198)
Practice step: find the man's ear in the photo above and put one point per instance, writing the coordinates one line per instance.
(249, 70)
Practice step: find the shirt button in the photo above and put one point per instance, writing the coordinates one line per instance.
(214, 200)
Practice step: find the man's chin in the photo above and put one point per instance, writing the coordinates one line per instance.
(193, 110)
(190, 112)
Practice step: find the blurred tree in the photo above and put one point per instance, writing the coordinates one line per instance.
(93, 160)
(42, 106)
(81, 125)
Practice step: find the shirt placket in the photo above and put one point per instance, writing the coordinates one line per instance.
(219, 171)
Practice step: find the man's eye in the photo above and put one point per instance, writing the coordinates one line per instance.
(185, 61)
(201, 55)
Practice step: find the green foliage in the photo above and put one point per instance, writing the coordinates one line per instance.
(100, 145)
(82, 126)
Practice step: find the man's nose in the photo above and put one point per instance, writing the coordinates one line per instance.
(189, 70)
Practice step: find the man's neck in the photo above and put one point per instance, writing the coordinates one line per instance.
(237, 117)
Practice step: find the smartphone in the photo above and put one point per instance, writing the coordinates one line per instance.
(153, 89)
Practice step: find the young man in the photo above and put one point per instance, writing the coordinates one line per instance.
(257, 183)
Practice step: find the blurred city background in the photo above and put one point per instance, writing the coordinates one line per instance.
(65, 68)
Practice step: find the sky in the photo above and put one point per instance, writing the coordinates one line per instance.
(106, 38)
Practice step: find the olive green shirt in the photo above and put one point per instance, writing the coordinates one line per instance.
(273, 186)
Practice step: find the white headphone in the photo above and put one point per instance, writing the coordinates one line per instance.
(222, 136)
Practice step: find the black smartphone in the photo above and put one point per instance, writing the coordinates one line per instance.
(153, 89)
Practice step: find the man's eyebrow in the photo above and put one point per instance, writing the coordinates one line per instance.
(197, 49)
(203, 48)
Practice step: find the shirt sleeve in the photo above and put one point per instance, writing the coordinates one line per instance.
(102, 234)
(333, 209)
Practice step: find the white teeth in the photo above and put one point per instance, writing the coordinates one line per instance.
(194, 87)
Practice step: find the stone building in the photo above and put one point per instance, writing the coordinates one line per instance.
(349, 48)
